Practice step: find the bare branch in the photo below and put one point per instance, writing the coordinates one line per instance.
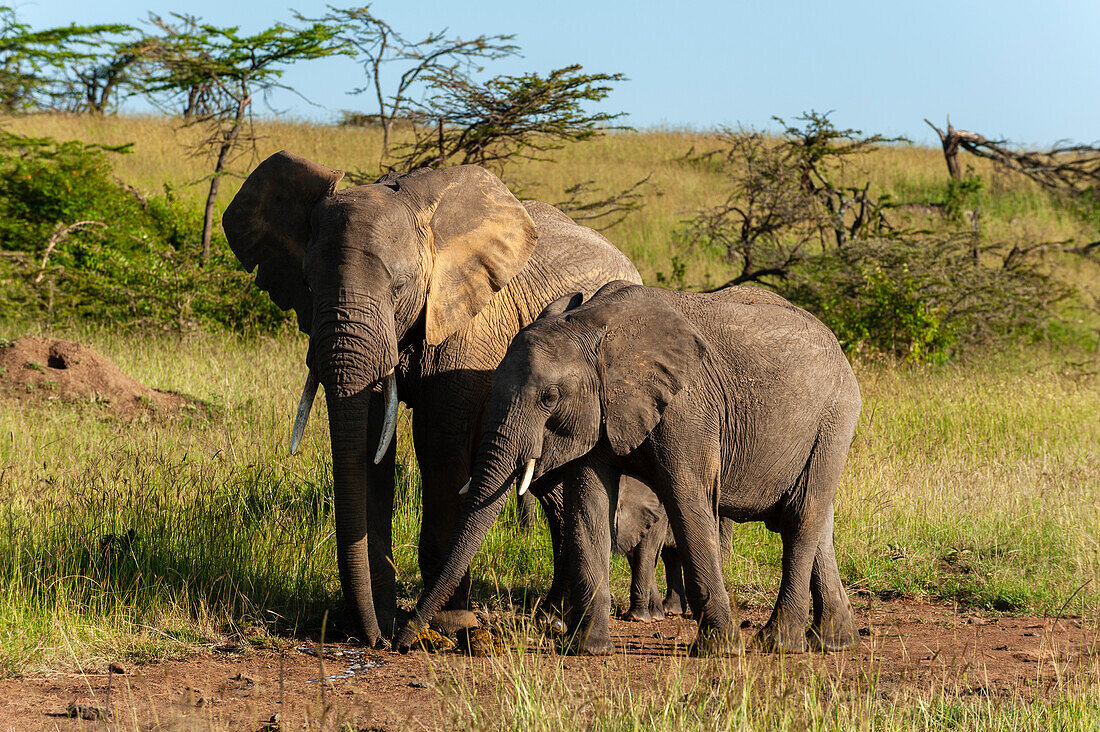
(60, 233)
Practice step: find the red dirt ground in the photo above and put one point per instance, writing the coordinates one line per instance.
(909, 645)
(50, 369)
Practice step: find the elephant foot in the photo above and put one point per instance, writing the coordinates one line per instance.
(676, 605)
(644, 613)
(449, 622)
(832, 637)
(777, 638)
(354, 632)
(715, 641)
(589, 646)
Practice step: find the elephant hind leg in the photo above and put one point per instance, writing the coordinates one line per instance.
(802, 526)
(646, 603)
(833, 627)
(675, 602)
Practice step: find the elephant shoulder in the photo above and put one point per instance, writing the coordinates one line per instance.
(544, 213)
(568, 257)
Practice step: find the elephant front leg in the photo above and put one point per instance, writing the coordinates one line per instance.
(696, 529)
(551, 612)
(590, 491)
(442, 473)
(380, 492)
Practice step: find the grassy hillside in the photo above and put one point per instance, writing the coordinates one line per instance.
(1013, 208)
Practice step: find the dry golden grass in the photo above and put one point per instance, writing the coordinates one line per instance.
(1018, 211)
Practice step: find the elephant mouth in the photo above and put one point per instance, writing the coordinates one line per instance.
(523, 475)
(389, 423)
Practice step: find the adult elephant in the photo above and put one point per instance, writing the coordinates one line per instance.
(410, 288)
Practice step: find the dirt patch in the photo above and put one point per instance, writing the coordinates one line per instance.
(52, 369)
(906, 646)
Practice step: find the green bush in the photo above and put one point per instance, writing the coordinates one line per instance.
(923, 298)
(76, 244)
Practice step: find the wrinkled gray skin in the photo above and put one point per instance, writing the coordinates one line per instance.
(733, 404)
(429, 275)
(641, 534)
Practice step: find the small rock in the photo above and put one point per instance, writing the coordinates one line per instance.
(87, 711)
(271, 724)
(116, 668)
(419, 685)
(243, 682)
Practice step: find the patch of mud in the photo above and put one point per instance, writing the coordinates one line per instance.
(50, 369)
(907, 647)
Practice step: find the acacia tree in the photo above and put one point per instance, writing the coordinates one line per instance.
(377, 46)
(215, 73)
(506, 117)
(784, 194)
(40, 69)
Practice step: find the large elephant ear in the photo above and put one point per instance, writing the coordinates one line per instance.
(482, 238)
(648, 353)
(267, 226)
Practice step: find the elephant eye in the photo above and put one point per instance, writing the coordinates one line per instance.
(550, 396)
(400, 281)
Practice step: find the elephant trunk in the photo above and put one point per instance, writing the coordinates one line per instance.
(352, 347)
(489, 487)
(348, 417)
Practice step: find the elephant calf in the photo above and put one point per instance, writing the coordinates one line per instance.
(733, 404)
(642, 533)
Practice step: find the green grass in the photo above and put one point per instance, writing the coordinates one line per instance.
(1013, 208)
(976, 484)
(529, 692)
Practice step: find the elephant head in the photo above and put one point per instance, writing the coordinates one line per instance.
(367, 270)
(578, 378)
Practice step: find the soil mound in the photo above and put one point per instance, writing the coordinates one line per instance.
(50, 369)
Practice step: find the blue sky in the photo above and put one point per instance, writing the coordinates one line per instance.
(1024, 71)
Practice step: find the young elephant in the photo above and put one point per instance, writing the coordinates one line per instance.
(733, 403)
(642, 534)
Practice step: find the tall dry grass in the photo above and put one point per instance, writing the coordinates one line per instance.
(1016, 210)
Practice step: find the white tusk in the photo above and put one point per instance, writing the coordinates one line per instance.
(309, 391)
(389, 426)
(525, 483)
(465, 488)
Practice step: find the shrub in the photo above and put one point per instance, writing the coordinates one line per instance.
(923, 298)
(77, 244)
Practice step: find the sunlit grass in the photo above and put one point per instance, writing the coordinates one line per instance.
(535, 692)
(1013, 208)
(977, 484)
